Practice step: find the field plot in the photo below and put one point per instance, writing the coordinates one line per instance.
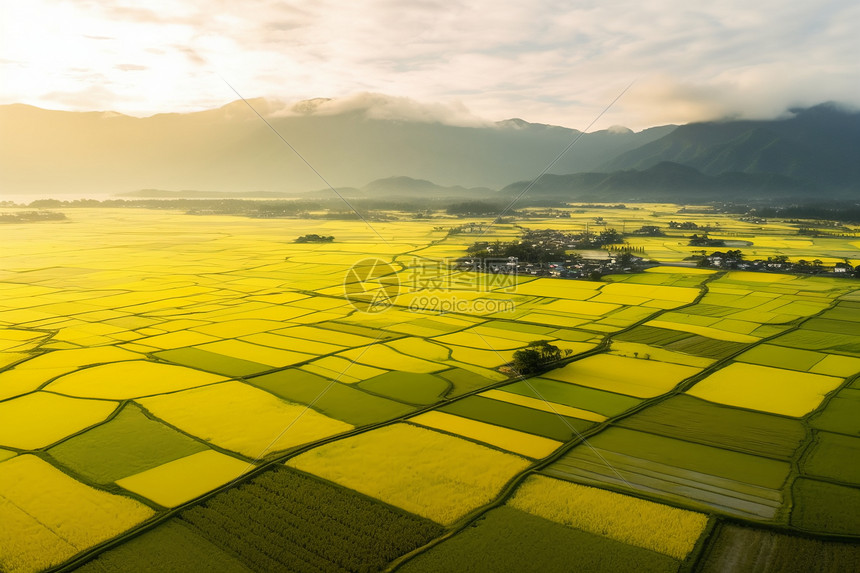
(408, 387)
(182, 480)
(680, 342)
(168, 548)
(467, 378)
(285, 520)
(128, 444)
(634, 377)
(48, 517)
(683, 323)
(691, 474)
(434, 475)
(341, 369)
(598, 402)
(41, 419)
(781, 357)
(766, 389)
(833, 457)
(519, 541)
(341, 401)
(840, 413)
(382, 356)
(554, 425)
(661, 528)
(130, 379)
(825, 507)
(695, 420)
(241, 418)
(199, 359)
(636, 350)
(542, 405)
(738, 548)
(513, 441)
(33, 373)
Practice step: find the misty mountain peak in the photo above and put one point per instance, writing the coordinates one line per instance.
(309, 106)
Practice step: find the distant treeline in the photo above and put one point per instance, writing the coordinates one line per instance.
(337, 208)
(836, 211)
(31, 217)
(845, 211)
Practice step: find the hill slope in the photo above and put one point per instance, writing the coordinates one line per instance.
(817, 145)
(666, 181)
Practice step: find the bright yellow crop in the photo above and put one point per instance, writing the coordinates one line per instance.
(40, 419)
(182, 480)
(511, 440)
(48, 517)
(766, 389)
(429, 473)
(639, 522)
(243, 419)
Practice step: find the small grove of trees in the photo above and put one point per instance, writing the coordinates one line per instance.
(685, 225)
(314, 238)
(537, 356)
(522, 251)
(649, 231)
(705, 241)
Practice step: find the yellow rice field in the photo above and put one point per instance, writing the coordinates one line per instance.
(635, 349)
(342, 370)
(710, 332)
(628, 519)
(274, 357)
(623, 375)
(382, 356)
(837, 365)
(180, 481)
(41, 419)
(511, 440)
(543, 405)
(48, 517)
(82, 302)
(429, 473)
(766, 389)
(130, 379)
(243, 419)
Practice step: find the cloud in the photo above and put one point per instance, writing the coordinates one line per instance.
(130, 67)
(385, 107)
(545, 61)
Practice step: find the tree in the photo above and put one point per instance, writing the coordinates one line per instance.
(314, 238)
(535, 357)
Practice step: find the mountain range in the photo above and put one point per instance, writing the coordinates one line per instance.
(229, 150)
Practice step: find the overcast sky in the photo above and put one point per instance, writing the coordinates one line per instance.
(542, 60)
